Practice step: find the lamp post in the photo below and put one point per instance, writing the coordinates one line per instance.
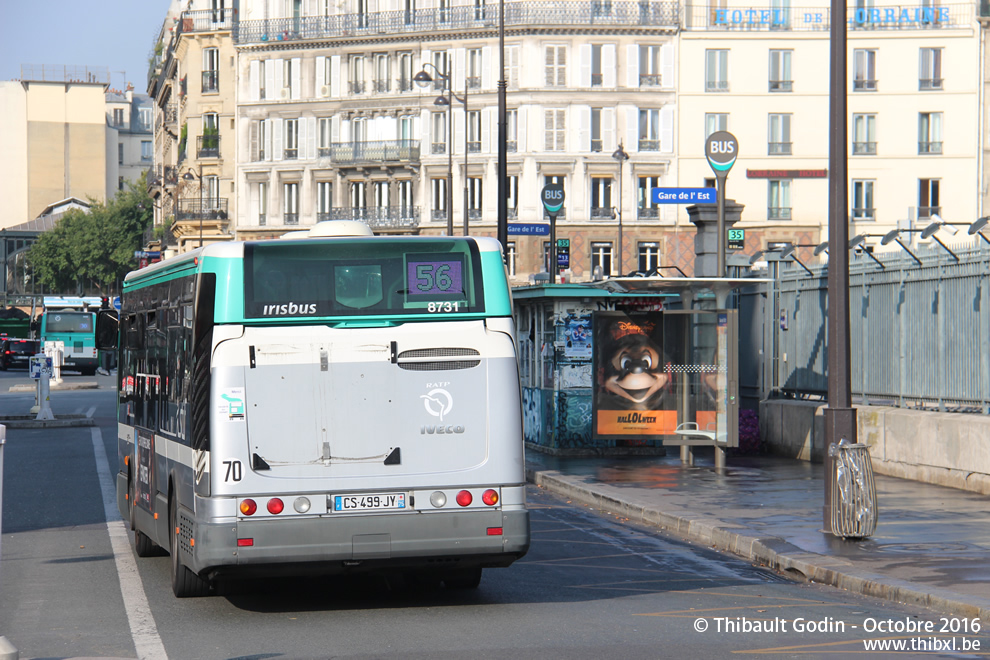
(502, 230)
(621, 156)
(189, 176)
(423, 78)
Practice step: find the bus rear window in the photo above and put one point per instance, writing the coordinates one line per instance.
(68, 322)
(362, 277)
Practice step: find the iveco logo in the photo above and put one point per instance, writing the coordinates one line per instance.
(438, 403)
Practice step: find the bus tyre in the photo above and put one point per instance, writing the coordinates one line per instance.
(185, 583)
(463, 578)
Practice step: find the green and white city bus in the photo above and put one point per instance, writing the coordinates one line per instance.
(69, 321)
(328, 404)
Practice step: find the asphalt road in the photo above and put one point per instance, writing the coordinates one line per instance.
(592, 586)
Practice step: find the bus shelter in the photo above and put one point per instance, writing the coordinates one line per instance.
(629, 365)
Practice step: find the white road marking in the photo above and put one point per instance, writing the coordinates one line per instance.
(89, 413)
(147, 642)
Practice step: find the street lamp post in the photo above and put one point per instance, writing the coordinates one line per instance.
(423, 78)
(189, 176)
(621, 156)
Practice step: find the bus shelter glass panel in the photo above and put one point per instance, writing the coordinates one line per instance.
(664, 374)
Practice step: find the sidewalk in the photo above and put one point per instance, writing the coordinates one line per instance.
(931, 547)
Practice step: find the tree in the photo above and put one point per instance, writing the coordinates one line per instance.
(94, 249)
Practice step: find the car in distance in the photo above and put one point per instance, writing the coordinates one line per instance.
(16, 353)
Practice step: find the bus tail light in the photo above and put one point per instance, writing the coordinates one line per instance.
(245, 543)
(490, 497)
(275, 505)
(464, 498)
(494, 531)
(249, 507)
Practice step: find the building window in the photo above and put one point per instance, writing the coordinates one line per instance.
(473, 80)
(439, 124)
(474, 131)
(404, 196)
(440, 61)
(512, 67)
(438, 188)
(928, 198)
(716, 70)
(405, 72)
(646, 208)
(716, 121)
(511, 134)
(475, 200)
(513, 195)
(863, 200)
(779, 143)
(596, 65)
(262, 204)
(556, 66)
(324, 133)
(930, 69)
(864, 129)
(288, 91)
(120, 183)
(381, 191)
(649, 256)
(779, 199)
(264, 66)
(145, 118)
(211, 71)
(383, 72)
(291, 139)
(555, 130)
(290, 201)
(118, 117)
(264, 139)
(649, 130)
(930, 133)
(324, 201)
(120, 153)
(510, 258)
(596, 130)
(146, 150)
(601, 258)
(864, 70)
(359, 196)
(601, 198)
(356, 85)
(649, 66)
(780, 71)
(209, 141)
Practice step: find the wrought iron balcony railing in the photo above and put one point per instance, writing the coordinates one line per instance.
(596, 145)
(779, 213)
(864, 214)
(379, 217)
(649, 145)
(356, 87)
(510, 146)
(290, 218)
(602, 213)
(474, 147)
(563, 13)
(438, 215)
(648, 213)
(864, 85)
(207, 20)
(597, 79)
(208, 146)
(375, 151)
(382, 85)
(209, 208)
(928, 84)
(211, 82)
(929, 147)
(404, 84)
(716, 85)
(650, 80)
(779, 148)
(781, 85)
(438, 148)
(929, 211)
(864, 148)
(473, 82)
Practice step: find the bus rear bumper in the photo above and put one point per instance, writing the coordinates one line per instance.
(356, 543)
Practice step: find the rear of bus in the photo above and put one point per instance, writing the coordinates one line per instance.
(75, 329)
(365, 411)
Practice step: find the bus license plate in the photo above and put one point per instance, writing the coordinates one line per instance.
(366, 502)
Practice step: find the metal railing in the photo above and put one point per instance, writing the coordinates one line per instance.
(779, 148)
(207, 20)
(544, 14)
(211, 82)
(863, 85)
(864, 148)
(912, 328)
(925, 84)
(929, 148)
(374, 151)
(649, 145)
(290, 218)
(208, 146)
(647, 213)
(650, 80)
(380, 217)
(65, 74)
(781, 85)
(778, 213)
(209, 208)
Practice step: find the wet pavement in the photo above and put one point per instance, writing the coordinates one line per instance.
(931, 546)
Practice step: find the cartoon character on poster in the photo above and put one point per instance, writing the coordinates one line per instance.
(632, 373)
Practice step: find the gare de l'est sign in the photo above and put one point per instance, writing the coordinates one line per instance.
(860, 17)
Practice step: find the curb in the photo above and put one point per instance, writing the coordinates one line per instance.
(61, 422)
(770, 551)
(89, 385)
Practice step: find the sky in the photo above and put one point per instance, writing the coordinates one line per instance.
(116, 34)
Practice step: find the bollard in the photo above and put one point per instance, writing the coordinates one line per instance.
(7, 650)
(45, 412)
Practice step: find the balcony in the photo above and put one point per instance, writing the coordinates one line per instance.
(650, 80)
(356, 87)
(404, 84)
(474, 147)
(290, 218)
(779, 148)
(597, 79)
(649, 145)
(382, 86)
(438, 148)
(473, 82)
(929, 211)
(779, 213)
(207, 20)
(929, 84)
(648, 213)
(864, 148)
(864, 214)
(210, 208)
(596, 145)
(929, 148)
(373, 152)
(602, 213)
(863, 85)
(380, 217)
(717, 86)
(170, 115)
(781, 86)
(511, 146)
(581, 13)
(208, 146)
(211, 82)
(290, 153)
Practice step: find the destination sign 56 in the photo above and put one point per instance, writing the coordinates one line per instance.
(685, 196)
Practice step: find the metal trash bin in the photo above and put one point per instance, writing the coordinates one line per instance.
(854, 493)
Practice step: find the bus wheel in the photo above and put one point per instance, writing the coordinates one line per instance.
(143, 545)
(463, 578)
(185, 583)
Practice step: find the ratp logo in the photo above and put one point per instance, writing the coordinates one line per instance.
(438, 402)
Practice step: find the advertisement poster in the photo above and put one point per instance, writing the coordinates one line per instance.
(633, 377)
(577, 336)
(144, 485)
